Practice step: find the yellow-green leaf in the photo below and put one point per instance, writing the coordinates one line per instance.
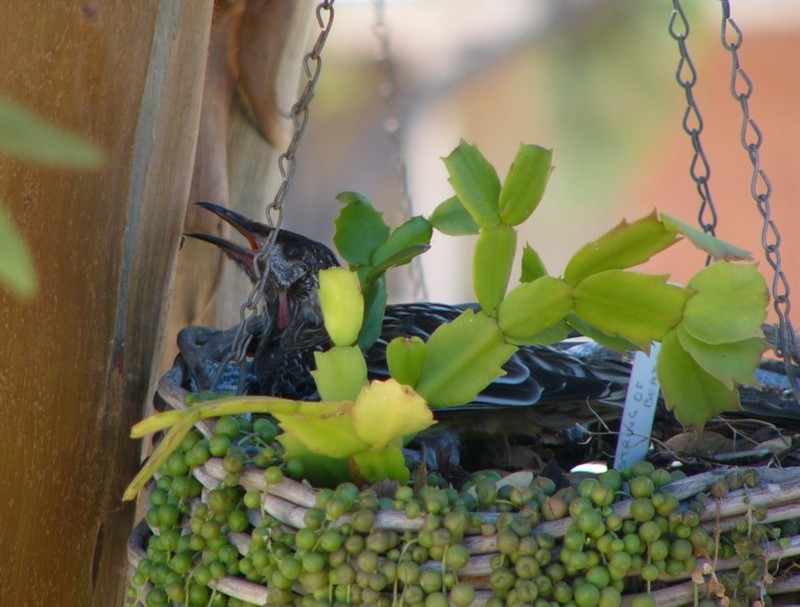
(413, 235)
(604, 339)
(342, 305)
(534, 307)
(491, 266)
(692, 394)
(640, 308)
(26, 135)
(451, 218)
(341, 373)
(319, 470)
(553, 334)
(730, 304)
(388, 462)
(387, 410)
(626, 245)
(718, 249)
(463, 358)
(405, 357)
(16, 264)
(475, 182)
(525, 183)
(731, 363)
(325, 428)
(532, 265)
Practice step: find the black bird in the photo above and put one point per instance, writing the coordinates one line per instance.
(292, 329)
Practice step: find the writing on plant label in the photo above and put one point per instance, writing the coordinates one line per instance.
(640, 410)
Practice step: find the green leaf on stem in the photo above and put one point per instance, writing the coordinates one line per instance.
(640, 308)
(689, 391)
(340, 374)
(532, 265)
(374, 307)
(324, 427)
(404, 243)
(319, 470)
(375, 465)
(491, 266)
(342, 305)
(451, 218)
(604, 339)
(730, 304)
(525, 183)
(405, 357)
(626, 245)
(463, 357)
(718, 249)
(475, 182)
(534, 307)
(360, 229)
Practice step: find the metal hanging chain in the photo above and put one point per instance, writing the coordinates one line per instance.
(751, 139)
(312, 66)
(393, 126)
(686, 76)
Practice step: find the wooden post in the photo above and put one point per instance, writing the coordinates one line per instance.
(77, 364)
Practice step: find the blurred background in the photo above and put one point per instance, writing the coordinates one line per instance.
(593, 80)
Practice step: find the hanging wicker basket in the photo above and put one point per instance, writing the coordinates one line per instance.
(773, 500)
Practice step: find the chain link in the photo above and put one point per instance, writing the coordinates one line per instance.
(686, 76)
(312, 67)
(393, 126)
(751, 138)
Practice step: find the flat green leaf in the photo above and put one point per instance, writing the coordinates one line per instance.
(463, 357)
(26, 135)
(340, 374)
(16, 264)
(491, 266)
(413, 235)
(325, 428)
(718, 249)
(342, 305)
(386, 411)
(360, 229)
(374, 307)
(730, 304)
(398, 259)
(451, 218)
(604, 339)
(319, 470)
(475, 182)
(388, 462)
(731, 363)
(534, 307)
(405, 357)
(692, 394)
(525, 183)
(532, 265)
(624, 246)
(637, 307)
(553, 334)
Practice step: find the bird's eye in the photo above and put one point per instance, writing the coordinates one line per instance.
(292, 251)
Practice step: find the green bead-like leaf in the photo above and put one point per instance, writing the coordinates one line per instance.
(342, 305)
(26, 135)
(692, 394)
(374, 466)
(525, 183)
(412, 236)
(340, 374)
(730, 304)
(405, 357)
(731, 363)
(325, 428)
(475, 182)
(718, 249)
(463, 358)
(386, 411)
(624, 246)
(374, 308)
(451, 218)
(360, 229)
(534, 307)
(16, 264)
(532, 265)
(491, 267)
(637, 307)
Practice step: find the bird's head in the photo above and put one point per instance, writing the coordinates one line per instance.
(294, 264)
